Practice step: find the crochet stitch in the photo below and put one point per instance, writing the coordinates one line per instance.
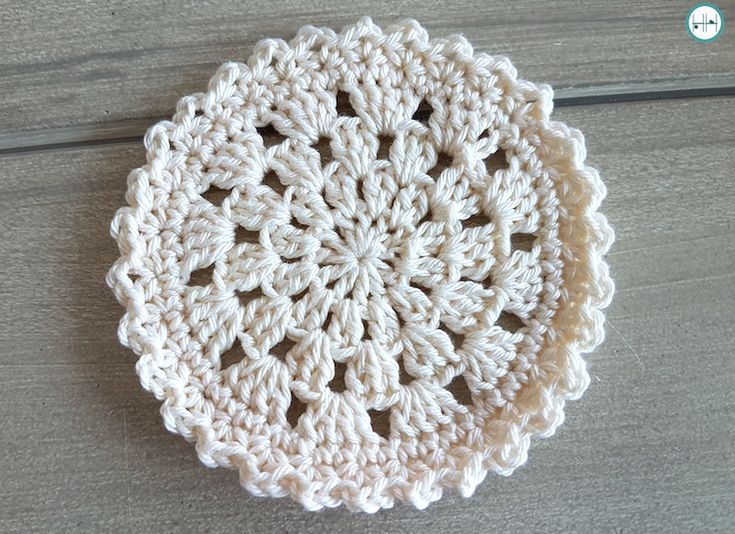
(358, 225)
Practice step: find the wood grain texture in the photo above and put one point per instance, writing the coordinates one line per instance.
(70, 73)
(648, 449)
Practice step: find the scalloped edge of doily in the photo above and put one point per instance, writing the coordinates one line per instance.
(545, 409)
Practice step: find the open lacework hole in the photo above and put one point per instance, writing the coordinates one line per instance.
(380, 422)
(360, 189)
(243, 235)
(202, 277)
(487, 281)
(485, 134)
(327, 322)
(325, 152)
(337, 384)
(298, 296)
(281, 348)
(425, 290)
(271, 136)
(284, 259)
(246, 297)
(522, 242)
(384, 144)
(366, 332)
(215, 195)
(271, 180)
(316, 46)
(344, 106)
(404, 377)
(330, 284)
(456, 338)
(496, 161)
(476, 220)
(444, 161)
(295, 410)
(232, 356)
(428, 217)
(509, 322)
(460, 391)
(296, 224)
(423, 112)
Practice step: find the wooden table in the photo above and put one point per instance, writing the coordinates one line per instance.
(649, 448)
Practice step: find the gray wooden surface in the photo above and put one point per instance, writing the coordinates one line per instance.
(72, 71)
(648, 449)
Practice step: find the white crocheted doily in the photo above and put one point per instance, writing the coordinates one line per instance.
(339, 236)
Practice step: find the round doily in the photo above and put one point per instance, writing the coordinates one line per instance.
(363, 266)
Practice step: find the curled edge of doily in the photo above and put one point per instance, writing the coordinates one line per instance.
(587, 284)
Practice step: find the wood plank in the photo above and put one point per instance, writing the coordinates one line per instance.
(649, 448)
(70, 74)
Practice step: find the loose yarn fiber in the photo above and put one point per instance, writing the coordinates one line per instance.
(324, 248)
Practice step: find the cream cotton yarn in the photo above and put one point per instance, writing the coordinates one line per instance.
(354, 224)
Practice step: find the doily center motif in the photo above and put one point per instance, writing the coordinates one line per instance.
(363, 266)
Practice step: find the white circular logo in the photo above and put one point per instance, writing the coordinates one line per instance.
(705, 22)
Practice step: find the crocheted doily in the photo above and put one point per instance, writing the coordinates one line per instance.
(338, 237)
